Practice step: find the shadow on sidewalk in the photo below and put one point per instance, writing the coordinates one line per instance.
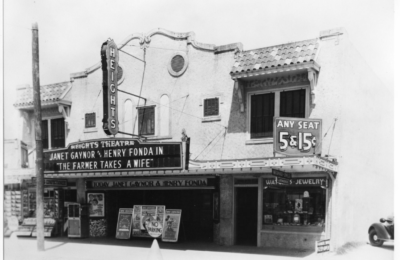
(180, 245)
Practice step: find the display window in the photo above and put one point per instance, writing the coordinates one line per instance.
(291, 206)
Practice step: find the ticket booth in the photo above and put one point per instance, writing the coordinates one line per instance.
(78, 220)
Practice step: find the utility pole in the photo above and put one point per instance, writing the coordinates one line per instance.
(38, 138)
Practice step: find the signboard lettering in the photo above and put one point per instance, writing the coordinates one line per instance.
(283, 181)
(311, 181)
(153, 183)
(297, 136)
(124, 223)
(109, 61)
(114, 155)
(50, 182)
(285, 175)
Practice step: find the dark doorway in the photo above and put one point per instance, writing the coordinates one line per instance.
(246, 215)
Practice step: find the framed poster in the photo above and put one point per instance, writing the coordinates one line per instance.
(143, 216)
(97, 204)
(124, 223)
(171, 225)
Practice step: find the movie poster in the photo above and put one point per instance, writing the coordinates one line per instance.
(124, 223)
(143, 215)
(171, 225)
(97, 207)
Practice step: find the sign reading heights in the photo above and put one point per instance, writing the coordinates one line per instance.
(109, 65)
(116, 154)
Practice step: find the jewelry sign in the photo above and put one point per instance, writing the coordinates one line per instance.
(109, 65)
(297, 136)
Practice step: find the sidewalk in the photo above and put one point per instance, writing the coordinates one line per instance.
(113, 249)
(109, 248)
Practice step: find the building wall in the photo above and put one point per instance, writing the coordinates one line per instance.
(349, 91)
(12, 154)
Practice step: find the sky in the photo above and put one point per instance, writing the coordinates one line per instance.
(71, 32)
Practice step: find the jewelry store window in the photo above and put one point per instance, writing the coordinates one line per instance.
(299, 206)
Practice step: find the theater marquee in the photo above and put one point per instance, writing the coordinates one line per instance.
(114, 155)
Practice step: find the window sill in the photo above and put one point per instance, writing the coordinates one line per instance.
(310, 229)
(268, 140)
(211, 119)
(90, 130)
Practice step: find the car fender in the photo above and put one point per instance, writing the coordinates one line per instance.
(380, 231)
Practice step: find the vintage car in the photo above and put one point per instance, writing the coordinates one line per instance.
(381, 232)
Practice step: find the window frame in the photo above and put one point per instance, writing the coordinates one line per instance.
(155, 120)
(276, 91)
(204, 107)
(86, 124)
(205, 118)
(48, 119)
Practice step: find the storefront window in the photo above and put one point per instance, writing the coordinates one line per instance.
(292, 205)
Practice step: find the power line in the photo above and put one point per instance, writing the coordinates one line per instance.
(209, 144)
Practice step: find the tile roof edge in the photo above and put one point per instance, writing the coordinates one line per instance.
(261, 48)
(273, 70)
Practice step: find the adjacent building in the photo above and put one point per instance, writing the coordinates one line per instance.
(197, 131)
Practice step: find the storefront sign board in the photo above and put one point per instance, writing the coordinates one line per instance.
(281, 174)
(143, 215)
(322, 246)
(114, 155)
(297, 136)
(282, 181)
(124, 223)
(150, 183)
(50, 182)
(97, 204)
(310, 181)
(109, 62)
(172, 222)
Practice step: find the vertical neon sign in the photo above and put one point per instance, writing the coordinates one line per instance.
(109, 62)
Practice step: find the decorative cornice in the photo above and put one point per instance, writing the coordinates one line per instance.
(145, 39)
(278, 80)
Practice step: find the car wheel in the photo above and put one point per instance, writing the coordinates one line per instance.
(373, 238)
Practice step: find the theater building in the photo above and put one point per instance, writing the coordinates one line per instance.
(270, 147)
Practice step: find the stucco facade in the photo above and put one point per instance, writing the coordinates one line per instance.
(339, 88)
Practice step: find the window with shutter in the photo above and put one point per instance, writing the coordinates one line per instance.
(90, 120)
(146, 120)
(57, 133)
(292, 103)
(262, 115)
(264, 107)
(211, 107)
(45, 134)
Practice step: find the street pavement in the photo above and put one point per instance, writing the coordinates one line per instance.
(110, 249)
